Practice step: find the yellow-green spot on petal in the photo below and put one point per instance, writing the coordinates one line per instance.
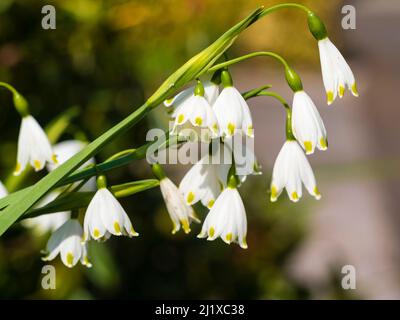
(169, 101)
(215, 127)
(36, 164)
(231, 128)
(133, 232)
(244, 243)
(295, 196)
(190, 197)
(341, 91)
(211, 232)
(181, 117)
(250, 130)
(228, 237)
(274, 193)
(96, 233)
(308, 146)
(175, 228)
(18, 167)
(329, 96)
(354, 89)
(54, 159)
(70, 259)
(117, 227)
(316, 192)
(198, 121)
(210, 204)
(323, 143)
(185, 225)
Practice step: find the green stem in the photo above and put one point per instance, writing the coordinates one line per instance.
(20, 104)
(249, 56)
(291, 76)
(192, 69)
(254, 92)
(22, 203)
(125, 157)
(284, 6)
(289, 130)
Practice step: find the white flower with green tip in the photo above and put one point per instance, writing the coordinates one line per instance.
(227, 219)
(291, 169)
(336, 73)
(105, 217)
(33, 146)
(233, 113)
(211, 91)
(67, 241)
(179, 212)
(307, 125)
(195, 113)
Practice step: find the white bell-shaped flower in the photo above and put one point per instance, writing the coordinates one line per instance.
(105, 216)
(195, 112)
(211, 91)
(179, 212)
(307, 125)
(233, 113)
(66, 241)
(291, 168)
(33, 146)
(336, 73)
(204, 181)
(226, 219)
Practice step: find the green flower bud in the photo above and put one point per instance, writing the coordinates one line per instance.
(226, 79)
(293, 79)
(316, 26)
(158, 171)
(101, 182)
(20, 104)
(199, 89)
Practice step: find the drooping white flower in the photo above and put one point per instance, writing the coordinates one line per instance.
(33, 146)
(226, 219)
(211, 91)
(233, 113)
(105, 216)
(66, 241)
(179, 212)
(291, 168)
(195, 112)
(204, 181)
(336, 73)
(3, 190)
(307, 125)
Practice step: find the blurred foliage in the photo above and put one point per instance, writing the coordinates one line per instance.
(106, 57)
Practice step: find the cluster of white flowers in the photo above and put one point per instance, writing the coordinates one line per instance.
(227, 115)
(201, 113)
(104, 216)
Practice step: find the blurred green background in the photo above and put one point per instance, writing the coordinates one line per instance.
(106, 57)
